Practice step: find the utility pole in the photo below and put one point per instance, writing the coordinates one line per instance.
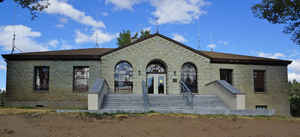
(13, 43)
(97, 45)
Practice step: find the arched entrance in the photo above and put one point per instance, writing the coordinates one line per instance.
(156, 77)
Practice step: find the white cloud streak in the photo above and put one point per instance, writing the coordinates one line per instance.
(212, 46)
(179, 38)
(98, 35)
(177, 11)
(2, 65)
(271, 55)
(123, 4)
(25, 38)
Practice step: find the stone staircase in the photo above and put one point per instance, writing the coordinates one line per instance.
(161, 103)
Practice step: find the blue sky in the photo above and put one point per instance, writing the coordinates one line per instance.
(202, 24)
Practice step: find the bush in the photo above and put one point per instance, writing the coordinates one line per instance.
(2, 93)
(295, 105)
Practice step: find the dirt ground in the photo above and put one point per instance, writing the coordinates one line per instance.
(149, 125)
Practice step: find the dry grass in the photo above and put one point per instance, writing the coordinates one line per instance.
(16, 111)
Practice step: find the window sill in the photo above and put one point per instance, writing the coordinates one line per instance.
(259, 92)
(41, 91)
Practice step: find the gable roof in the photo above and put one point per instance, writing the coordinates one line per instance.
(96, 53)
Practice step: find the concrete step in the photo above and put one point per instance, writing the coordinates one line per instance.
(160, 102)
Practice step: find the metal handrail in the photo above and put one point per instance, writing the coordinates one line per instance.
(145, 95)
(187, 94)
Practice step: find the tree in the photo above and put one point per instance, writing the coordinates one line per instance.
(281, 12)
(34, 6)
(294, 97)
(125, 37)
(145, 34)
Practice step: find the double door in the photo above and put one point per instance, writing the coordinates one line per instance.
(156, 83)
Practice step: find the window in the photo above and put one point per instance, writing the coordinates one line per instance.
(123, 77)
(226, 74)
(259, 80)
(80, 78)
(41, 78)
(156, 67)
(189, 76)
(261, 107)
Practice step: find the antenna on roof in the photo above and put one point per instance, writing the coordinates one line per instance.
(97, 45)
(157, 25)
(13, 43)
(199, 45)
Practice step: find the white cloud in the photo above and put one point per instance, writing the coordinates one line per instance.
(98, 35)
(104, 13)
(147, 29)
(212, 46)
(53, 43)
(271, 55)
(223, 42)
(293, 76)
(63, 8)
(178, 11)
(295, 66)
(24, 38)
(179, 38)
(2, 65)
(294, 70)
(123, 4)
(60, 25)
(63, 20)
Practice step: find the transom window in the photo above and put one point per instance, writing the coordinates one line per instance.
(189, 76)
(80, 78)
(226, 74)
(41, 78)
(156, 67)
(123, 77)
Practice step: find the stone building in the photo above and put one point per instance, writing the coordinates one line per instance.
(61, 79)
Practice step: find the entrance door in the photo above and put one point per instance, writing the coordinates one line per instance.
(156, 83)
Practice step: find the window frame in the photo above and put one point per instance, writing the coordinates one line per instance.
(35, 78)
(231, 74)
(261, 107)
(264, 81)
(73, 85)
(196, 90)
(130, 77)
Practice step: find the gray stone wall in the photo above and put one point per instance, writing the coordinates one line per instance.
(276, 88)
(20, 86)
(20, 75)
(142, 53)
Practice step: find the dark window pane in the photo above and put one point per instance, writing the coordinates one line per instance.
(259, 80)
(81, 77)
(150, 84)
(226, 74)
(41, 79)
(161, 85)
(189, 76)
(123, 77)
(261, 107)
